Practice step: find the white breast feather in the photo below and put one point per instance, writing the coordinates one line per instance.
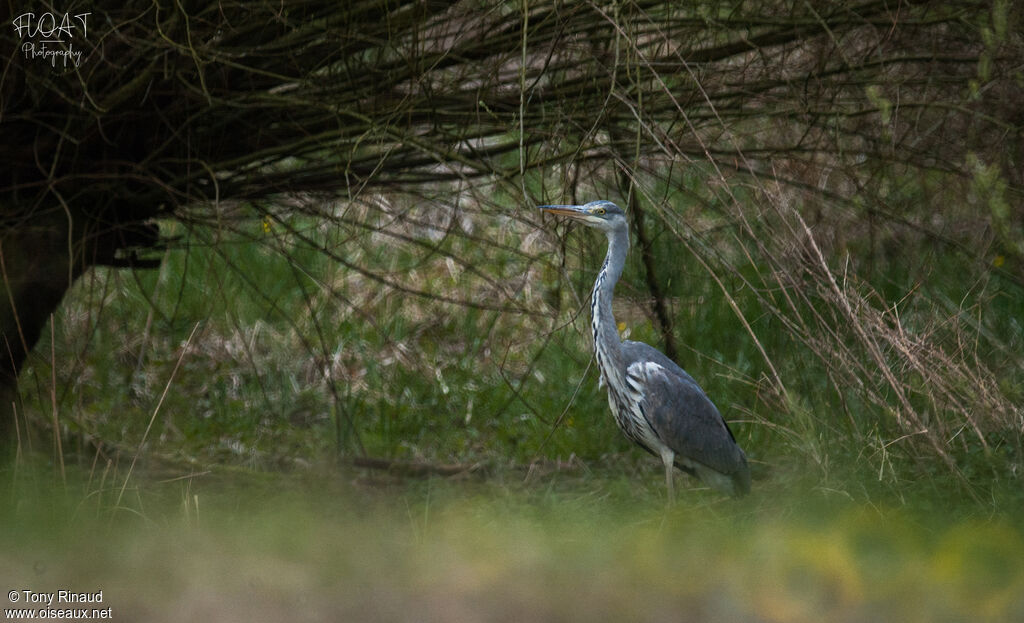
(638, 377)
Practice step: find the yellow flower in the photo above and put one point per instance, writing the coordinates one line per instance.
(998, 261)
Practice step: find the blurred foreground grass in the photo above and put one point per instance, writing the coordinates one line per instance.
(351, 546)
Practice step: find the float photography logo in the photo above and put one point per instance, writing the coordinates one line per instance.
(49, 37)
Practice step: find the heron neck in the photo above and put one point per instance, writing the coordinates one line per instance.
(607, 345)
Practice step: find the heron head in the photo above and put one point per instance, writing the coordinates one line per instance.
(601, 214)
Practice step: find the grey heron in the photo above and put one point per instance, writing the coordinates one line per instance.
(655, 402)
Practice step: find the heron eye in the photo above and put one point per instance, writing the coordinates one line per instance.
(598, 210)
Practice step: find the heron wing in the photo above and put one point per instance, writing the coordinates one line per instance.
(680, 414)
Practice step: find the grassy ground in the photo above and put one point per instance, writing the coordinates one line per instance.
(569, 545)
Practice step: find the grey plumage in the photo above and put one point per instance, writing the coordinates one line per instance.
(656, 403)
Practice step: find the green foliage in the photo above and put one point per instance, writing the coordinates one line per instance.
(297, 358)
(833, 234)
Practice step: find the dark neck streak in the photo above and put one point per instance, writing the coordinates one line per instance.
(607, 347)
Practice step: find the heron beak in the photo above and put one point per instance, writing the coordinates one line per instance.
(565, 210)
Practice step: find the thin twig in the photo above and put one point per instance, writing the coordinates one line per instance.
(152, 418)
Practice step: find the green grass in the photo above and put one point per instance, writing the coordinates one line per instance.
(297, 358)
(286, 343)
(572, 545)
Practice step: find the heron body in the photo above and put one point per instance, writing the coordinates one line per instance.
(656, 404)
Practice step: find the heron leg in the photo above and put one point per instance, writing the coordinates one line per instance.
(668, 458)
